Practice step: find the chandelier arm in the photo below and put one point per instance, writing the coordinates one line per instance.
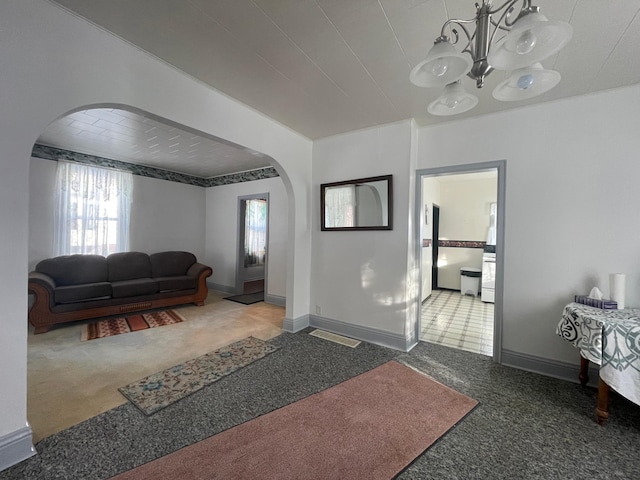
(510, 3)
(504, 17)
(460, 23)
(498, 26)
(457, 21)
(467, 48)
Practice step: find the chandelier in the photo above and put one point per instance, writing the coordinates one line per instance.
(529, 37)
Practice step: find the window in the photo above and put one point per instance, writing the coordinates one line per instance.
(255, 232)
(340, 206)
(92, 209)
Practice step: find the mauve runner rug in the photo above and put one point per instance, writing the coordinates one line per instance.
(369, 427)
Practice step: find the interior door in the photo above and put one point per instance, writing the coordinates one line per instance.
(434, 250)
(253, 221)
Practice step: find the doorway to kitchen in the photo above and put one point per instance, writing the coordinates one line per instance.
(461, 225)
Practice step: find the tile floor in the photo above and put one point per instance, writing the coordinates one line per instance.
(453, 320)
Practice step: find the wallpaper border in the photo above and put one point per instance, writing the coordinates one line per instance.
(52, 153)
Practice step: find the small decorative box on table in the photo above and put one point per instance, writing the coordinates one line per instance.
(594, 302)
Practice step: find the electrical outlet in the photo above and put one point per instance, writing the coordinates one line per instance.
(318, 310)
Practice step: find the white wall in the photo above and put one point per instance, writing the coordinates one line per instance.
(167, 216)
(464, 215)
(55, 63)
(42, 175)
(164, 215)
(222, 232)
(572, 198)
(360, 277)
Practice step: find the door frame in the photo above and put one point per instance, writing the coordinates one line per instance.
(240, 246)
(501, 167)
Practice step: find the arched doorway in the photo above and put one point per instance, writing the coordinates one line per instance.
(169, 212)
(90, 67)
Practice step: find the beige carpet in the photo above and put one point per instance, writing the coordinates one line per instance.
(70, 381)
(369, 427)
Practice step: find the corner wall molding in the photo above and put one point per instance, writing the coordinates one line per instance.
(16, 447)
(52, 153)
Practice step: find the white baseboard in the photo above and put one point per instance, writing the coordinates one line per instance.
(275, 300)
(366, 334)
(550, 368)
(294, 325)
(221, 288)
(16, 447)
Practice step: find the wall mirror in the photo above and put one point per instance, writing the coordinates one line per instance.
(360, 204)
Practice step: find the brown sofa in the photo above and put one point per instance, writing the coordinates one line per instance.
(77, 287)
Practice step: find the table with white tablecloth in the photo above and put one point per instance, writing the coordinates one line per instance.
(611, 339)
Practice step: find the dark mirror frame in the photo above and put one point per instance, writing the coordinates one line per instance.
(387, 178)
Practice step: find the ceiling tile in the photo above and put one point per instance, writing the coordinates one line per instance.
(328, 66)
(166, 147)
(620, 68)
(609, 19)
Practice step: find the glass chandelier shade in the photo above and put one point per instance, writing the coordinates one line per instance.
(530, 38)
(526, 83)
(454, 100)
(442, 66)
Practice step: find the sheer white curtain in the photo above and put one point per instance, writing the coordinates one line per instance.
(340, 206)
(255, 232)
(92, 209)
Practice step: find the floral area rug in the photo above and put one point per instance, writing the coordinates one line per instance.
(161, 389)
(133, 323)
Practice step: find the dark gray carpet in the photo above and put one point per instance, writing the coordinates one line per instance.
(247, 298)
(526, 426)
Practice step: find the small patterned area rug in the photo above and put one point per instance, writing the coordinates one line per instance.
(133, 323)
(161, 389)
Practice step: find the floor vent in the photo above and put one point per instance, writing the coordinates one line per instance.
(332, 337)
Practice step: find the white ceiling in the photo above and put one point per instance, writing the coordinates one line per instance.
(135, 138)
(323, 67)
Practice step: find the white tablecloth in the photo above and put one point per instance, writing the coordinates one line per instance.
(609, 338)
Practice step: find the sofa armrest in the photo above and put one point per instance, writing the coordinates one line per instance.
(42, 286)
(42, 279)
(198, 270)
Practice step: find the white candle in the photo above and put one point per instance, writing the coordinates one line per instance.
(617, 288)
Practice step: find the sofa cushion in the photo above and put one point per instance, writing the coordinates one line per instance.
(75, 269)
(128, 266)
(168, 264)
(81, 293)
(133, 288)
(178, 282)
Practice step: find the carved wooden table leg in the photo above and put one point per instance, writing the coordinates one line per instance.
(602, 408)
(584, 371)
